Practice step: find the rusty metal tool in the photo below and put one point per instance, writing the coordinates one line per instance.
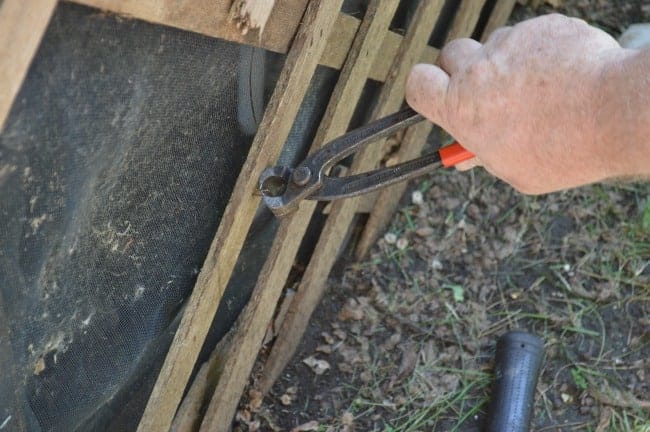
(283, 188)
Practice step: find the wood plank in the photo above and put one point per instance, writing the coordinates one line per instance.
(251, 14)
(22, 25)
(278, 118)
(255, 318)
(211, 18)
(498, 17)
(314, 280)
(336, 50)
(189, 414)
(415, 138)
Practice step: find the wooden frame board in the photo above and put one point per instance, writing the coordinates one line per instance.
(303, 29)
(414, 140)
(314, 280)
(280, 113)
(253, 322)
(22, 26)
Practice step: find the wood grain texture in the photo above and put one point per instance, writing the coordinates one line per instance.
(337, 48)
(216, 271)
(211, 18)
(415, 138)
(22, 25)
(498, 17)
(254, 320)
(251, 14)
(314, 280)
(189, 414)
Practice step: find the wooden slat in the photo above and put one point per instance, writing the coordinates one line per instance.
(251, 14)
(209, 17)
(278, 118)
(498, 17)
(313, 282)
(189, 414)
(22, 25)
(415, 138)
(254, 320)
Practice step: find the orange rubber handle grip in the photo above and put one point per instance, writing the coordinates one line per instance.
(453, 154)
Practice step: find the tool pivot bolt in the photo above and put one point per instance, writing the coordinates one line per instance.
(301, 176)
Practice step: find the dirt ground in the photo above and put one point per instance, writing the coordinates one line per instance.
(404, 341)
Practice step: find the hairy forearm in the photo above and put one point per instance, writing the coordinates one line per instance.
(549, 104)
(625, 115)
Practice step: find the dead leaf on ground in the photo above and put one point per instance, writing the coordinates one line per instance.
(309, 426)
(255, 400)
(325, 349)
(392, 342)
(347, 419)
(317, 366)
(605, 417)
(351, 311)
(615, 397)
(408, 363)
(328, 338)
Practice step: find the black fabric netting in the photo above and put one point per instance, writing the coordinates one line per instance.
(116, 163)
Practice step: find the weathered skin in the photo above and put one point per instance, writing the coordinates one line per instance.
(546, 105)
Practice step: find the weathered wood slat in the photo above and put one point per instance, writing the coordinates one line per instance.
(210, 18)
(22, 25)
(251, 14)
(254, 320)
(498, 17)
(415, 139)
(216, 271)
(314, 280)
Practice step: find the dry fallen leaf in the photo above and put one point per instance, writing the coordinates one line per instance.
(417, 198)
(317, 366)
(325, 349)
(255, 400)
(392, 342)
(328, 338)
(605, 417)
(351, 311)
(309, 426)
(390, 238)
(347, 419)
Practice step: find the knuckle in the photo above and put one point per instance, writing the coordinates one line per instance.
(479, 70)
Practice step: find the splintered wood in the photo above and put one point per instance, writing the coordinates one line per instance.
(312, 33)
(371, 36)
(342, 212)
(251, 14)
(22, 25)
(253, 321)
(278, 118)
(414, 139)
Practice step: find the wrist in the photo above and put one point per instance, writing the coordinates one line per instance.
(622, 119)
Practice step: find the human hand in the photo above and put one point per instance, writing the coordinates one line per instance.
(528, 103)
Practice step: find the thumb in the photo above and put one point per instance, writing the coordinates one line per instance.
(426, 92)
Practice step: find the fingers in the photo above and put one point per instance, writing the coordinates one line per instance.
(498, 36)
(468, 164)
(426, 92)
(457, 54)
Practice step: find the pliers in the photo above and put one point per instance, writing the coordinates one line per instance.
(283, 188)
